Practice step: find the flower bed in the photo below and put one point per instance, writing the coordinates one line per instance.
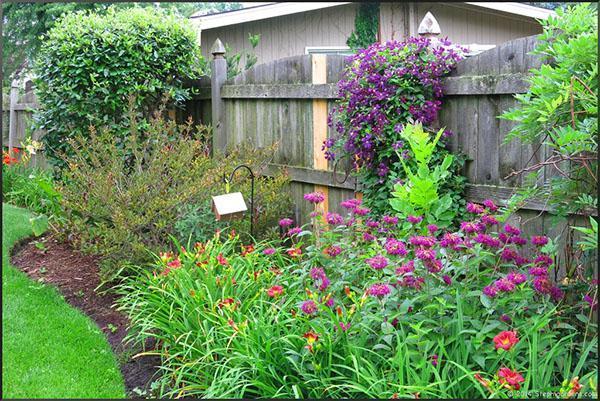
(353, 307)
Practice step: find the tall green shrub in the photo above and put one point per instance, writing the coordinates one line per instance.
(91, 63)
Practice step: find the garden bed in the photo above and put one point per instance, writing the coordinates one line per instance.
(76, 277)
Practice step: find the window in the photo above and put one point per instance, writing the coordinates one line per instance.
(343, 50)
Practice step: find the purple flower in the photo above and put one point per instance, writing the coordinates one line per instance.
(556, 293)
(504, 285)
(433, 265)
(334, 218)
(333, 250)
(350, 203)
(590, 301)
(471, 227)
(425, 254)
(447, 279)
(414, 219)
(309, 307)
(294, 231)
(286, 222)
(516, 278)
(542, 285)
(395, 247)
(321, 280)
(377, 262)
(538, 271)
(449, 239)
(487, 240)
(539, 240)
(490, 291)
(372, 224)
(368, 236)
(426, 242)
(517, 240)
(434, 360)
(269, 251)
(432, 228)
(489, 220)
(505, 318)
(543, 260)
(379, 290)
(508, 254)
(475, 208)
(390, 220)
(511, 230)
(361, 211)
(344, 326)
(315, 197)
(408, 267)
(490, 205)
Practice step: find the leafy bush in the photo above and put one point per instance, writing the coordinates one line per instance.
(28, 187)
(384, 87)
(122, 197)
(420, 194)
(90, 64)
(347, 309)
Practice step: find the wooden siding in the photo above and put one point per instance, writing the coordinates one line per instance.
(463, 24)
(286, 35)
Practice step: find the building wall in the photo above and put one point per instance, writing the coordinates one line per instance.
(463, 24)
(287, 35)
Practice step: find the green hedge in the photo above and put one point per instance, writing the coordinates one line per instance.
(91, 64)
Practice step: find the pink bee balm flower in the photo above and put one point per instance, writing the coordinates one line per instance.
(425, 254)
(538, 271)
(418, 240)
(294, 231)
(390, 220)
(504, 285)
(275, 291)
(506, 340)
(309, 307)
(377, 262)
(286, 222)
(447, 279)
(471, 227)
(511, 230)
(539, 240)
(489, 220)
(361, 211)
(408, 267)
(490, 205)
(556, 293)
(315, 197)
(379, 290)
(490, 291)
(368, 236)
(395, 247)
(350, 203)
(334, 218)
(372, 224)
(333, 250)
(432, 228)
(475, 208)
(515, 239)
(269, 251)
(516, 278)
(543, 260)
(414, 219)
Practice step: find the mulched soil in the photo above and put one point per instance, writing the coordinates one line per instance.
(76, 277)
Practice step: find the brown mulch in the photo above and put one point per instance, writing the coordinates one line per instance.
(76, 277)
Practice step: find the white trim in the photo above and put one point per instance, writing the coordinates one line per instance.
(258, 13)
(327, 50)
(516, 8)
(475, 48)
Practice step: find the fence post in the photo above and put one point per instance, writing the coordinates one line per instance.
(218, 76)
(12, 127)
(429, 27)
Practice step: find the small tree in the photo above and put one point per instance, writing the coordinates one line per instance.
(91, 64)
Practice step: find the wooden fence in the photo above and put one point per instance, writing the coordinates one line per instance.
(287, 101)
(17, 111)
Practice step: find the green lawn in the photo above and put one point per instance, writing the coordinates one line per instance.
(49, 349)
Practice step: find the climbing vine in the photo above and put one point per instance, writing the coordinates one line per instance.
(366, 26)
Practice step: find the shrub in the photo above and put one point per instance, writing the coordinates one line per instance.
(348, 309)
(122, 197)
(91, 63)
(28, 187)
(384, 87)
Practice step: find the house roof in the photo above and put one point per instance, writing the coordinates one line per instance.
(261, 11)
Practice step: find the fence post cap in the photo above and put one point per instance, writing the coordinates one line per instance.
(217, 49)
(429, 26)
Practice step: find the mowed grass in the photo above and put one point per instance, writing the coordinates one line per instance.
(49, 349)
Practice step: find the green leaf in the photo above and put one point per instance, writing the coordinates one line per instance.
(39, 224)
